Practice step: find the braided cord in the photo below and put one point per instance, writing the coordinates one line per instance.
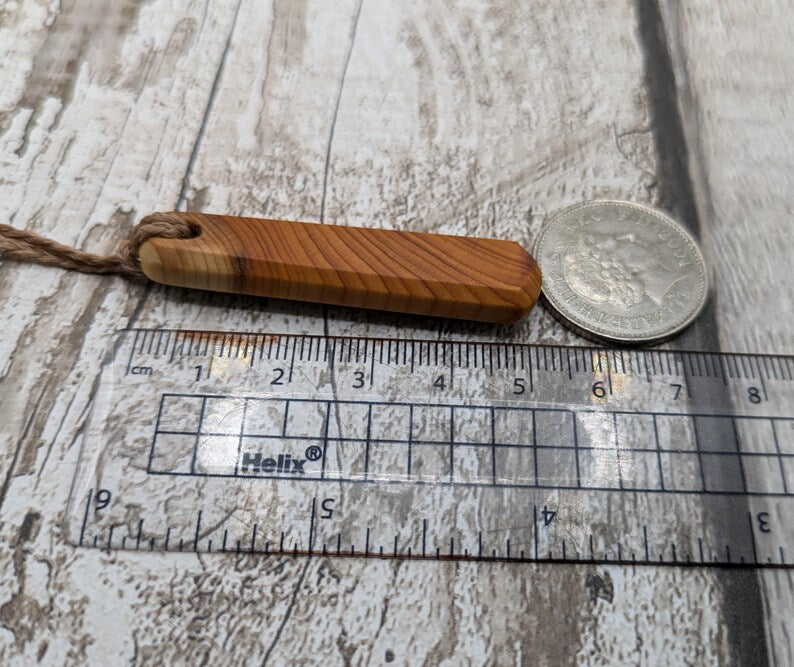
(28, 246)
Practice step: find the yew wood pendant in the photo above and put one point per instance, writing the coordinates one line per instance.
(489, 280)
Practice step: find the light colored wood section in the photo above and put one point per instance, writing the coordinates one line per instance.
(735, 75)
(735, 71)
(489, 280)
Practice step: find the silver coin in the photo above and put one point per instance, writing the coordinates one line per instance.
(621, 272)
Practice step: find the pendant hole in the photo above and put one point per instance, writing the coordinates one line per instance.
(195, 229)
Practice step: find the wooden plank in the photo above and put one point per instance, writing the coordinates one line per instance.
(423, 133)
(453, 118)
(735, 87)
(101, 121)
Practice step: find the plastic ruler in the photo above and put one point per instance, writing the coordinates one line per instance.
(276, 443)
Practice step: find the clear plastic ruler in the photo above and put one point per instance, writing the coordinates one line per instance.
(274, 443)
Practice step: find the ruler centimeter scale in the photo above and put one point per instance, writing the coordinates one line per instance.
(278, 443)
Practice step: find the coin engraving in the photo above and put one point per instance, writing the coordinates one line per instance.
(621, 272)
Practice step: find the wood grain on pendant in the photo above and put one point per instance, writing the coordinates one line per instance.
(489, 280)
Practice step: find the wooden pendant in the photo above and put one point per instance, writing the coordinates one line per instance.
(489, 280)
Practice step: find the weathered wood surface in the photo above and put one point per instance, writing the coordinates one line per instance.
(734, 64)
(470, 278)
(451, 117)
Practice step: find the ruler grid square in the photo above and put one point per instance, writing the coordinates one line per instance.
(362, 441)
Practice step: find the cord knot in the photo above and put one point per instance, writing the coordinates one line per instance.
(161, 225)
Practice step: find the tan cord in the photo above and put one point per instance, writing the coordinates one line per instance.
(24, 245)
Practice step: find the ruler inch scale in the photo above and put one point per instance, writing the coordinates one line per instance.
(307, 444)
